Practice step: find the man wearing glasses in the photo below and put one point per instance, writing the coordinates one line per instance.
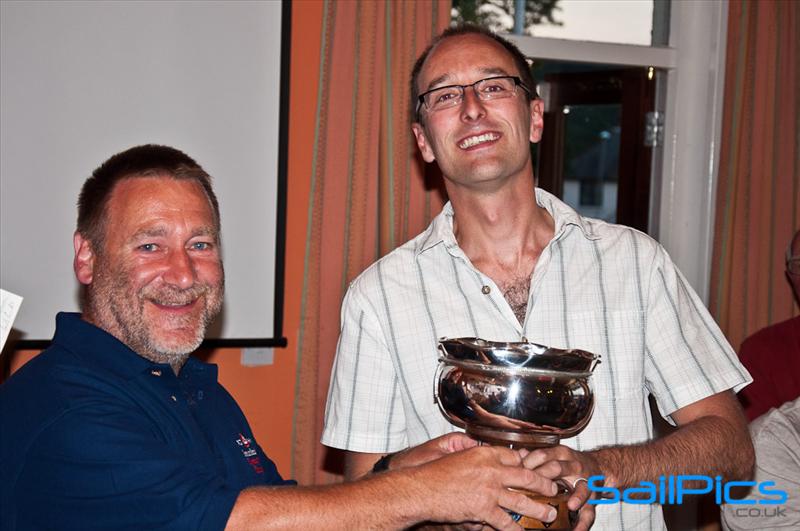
(772, 403)
(772, 355)
(506, 261)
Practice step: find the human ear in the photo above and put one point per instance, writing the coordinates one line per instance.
(537, 119)
(422, 142)
(83, 264)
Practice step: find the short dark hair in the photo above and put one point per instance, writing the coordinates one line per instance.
(149, 160)
(520, 61)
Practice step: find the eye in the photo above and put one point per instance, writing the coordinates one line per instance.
(495, 86)
(148, 247)
(445, 95)
(202, 246)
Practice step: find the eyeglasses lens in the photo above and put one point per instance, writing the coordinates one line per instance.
(486, 89)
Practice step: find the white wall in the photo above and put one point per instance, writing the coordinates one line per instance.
(84, 80)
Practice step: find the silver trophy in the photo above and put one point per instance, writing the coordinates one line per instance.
(520, 395)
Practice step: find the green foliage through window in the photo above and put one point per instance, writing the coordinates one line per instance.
(498, 15)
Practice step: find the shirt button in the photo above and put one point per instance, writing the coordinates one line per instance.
(173, 398)
(485, 290)
(155, 372)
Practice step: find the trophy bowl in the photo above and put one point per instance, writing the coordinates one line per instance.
(514, 394)
(517, 395)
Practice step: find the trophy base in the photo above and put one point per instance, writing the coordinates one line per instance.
(565, 519)
(512, 439)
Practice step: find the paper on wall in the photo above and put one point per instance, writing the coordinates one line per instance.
(9, 306)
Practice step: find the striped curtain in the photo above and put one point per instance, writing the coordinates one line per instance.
(758, 196)
(368, 191)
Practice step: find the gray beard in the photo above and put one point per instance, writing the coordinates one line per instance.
(120, 322)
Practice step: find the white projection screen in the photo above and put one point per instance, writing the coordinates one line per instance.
(82, 80)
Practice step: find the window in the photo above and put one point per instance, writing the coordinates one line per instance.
(639, 22)
(686, 61)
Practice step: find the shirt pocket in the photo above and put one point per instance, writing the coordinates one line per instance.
(618, 337)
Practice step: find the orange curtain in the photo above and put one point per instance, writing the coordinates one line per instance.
(758, 196)
(367, 190)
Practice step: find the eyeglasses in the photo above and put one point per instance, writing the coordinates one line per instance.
(793, 265)
(490, 88)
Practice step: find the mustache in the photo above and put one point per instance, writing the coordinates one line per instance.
(170, 295)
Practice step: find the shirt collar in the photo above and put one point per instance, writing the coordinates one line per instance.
(104, 351)
(564, 215)
(441, 229)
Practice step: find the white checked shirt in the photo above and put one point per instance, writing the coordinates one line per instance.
(600, 287)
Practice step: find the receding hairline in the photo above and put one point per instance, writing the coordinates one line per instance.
(156, 174)
(520, 61)
(450, 38)
(159, 174)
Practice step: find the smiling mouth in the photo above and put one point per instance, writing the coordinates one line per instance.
(174, 305)
(477, 140)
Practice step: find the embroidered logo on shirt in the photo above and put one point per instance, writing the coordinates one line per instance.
(250, 453)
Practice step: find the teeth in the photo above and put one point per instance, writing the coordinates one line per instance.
(173, 304)
(475, 140)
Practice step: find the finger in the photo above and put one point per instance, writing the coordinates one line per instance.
(457, 441)
(519, 503)
(501, 520)
(522, 478)
(506, 456)
(535, 458)
(557, 453)
(566, 472)
(550, 469)
(585, 518)
(580, 495)
(571, 470)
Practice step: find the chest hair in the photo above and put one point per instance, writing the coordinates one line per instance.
(516, 293)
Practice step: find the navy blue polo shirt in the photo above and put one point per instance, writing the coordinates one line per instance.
(93, 436)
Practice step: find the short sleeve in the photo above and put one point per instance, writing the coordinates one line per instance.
(102, 466)
(776, 438)
(687, 358)
(364, 411)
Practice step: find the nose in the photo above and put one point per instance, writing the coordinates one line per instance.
(472, 107)
(180, 269)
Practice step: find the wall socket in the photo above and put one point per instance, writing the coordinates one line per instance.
(256, 357)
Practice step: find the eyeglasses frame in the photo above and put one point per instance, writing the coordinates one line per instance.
(517, 83)
(790, 263)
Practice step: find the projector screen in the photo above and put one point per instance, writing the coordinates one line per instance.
(81, 81)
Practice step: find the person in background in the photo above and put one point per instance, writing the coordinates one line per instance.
(507, 261)
(776, 437)
(116, 426)
(772, 355)
(772, 403)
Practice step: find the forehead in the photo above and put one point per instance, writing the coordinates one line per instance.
(464, 59)
(139, 200)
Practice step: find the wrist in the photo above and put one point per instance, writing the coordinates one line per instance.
(603, 463)
(411, 501)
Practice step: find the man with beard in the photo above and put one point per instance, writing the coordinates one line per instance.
(507, 261)
(115, 426)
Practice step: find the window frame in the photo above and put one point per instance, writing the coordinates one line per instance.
(690, 94)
